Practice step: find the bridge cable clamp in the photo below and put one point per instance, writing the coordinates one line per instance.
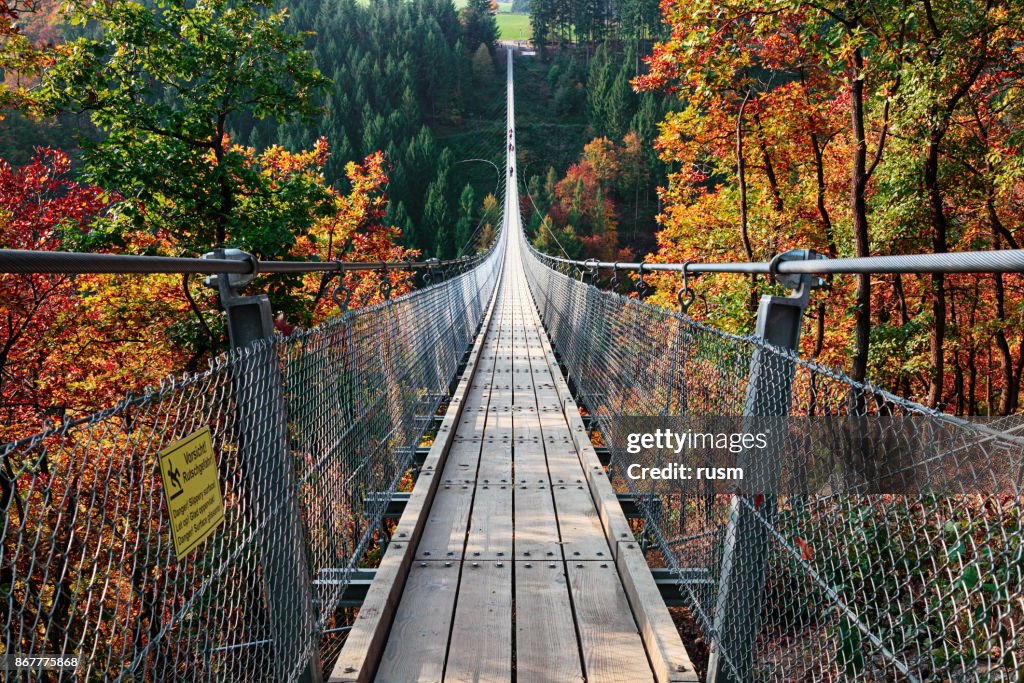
(795, 281)
(235, 280)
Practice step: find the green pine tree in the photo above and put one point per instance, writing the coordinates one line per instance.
(464, 228)
(483, 65)
(480, 24)
(438, 234)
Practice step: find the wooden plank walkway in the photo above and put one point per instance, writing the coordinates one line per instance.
(464, 599)
(516, 563)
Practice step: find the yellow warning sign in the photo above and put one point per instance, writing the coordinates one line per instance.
(192, 490)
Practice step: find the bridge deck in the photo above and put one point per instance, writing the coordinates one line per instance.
(516, 563)
(513, 568)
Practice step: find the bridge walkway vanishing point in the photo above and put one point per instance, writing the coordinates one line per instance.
(516, 557)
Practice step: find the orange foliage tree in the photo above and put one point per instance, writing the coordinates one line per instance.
(855, 128)
(581, 210)
(39, 205)
(72, 344)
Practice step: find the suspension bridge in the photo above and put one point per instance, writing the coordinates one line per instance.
(521, 552)
(513, 553)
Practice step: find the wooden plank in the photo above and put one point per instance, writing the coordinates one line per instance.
(547, 650)
(564, 464)
(615, 525)
(495, 463)
(481, 637)
(499, 413)
(444, 533)
(579, 524)
(530, 461)
(559, 438)
(490, 531)
(474, 416)
(419, 635)
(669, 657)
(612, 649)
(526, 425)
(536, 528)
(462, 462)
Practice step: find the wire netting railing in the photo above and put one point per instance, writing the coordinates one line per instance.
(836, 582)
(308, 432)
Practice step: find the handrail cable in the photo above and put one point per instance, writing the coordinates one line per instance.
(30, 261)
(997, 261)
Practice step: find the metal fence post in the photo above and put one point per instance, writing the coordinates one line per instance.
(269, 475)
(747, 540)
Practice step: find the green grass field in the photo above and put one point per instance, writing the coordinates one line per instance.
(510, 26)
(513, 26)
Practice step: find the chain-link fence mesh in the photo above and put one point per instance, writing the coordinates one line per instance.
(309, 432)
(838, 583)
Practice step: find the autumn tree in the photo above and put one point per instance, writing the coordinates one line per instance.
(583, 205)
(21, 57)
(851, 128)
(490, 223)
(40, 206)
(951, 48)
(163, 82)
(357, 229)
(602, 156)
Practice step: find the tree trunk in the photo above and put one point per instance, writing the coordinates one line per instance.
(958, 371)
(1015, 391)
(227, 198)
(819, 338)
(988, 384)
(972, 352)
(972, 380)
(769, 168)
(1002, 344)
(858, 207)
(823, 214)
(741, 180)
(938, 280)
